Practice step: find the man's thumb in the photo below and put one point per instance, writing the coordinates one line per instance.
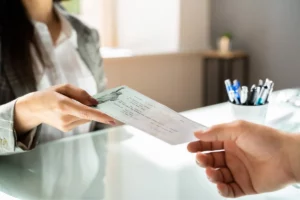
(220, 132)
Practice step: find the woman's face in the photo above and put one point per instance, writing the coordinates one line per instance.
(37, 4)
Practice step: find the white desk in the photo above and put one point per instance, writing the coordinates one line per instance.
(118, 164)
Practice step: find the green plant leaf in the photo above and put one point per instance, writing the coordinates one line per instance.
(228, 35)
(72, 6)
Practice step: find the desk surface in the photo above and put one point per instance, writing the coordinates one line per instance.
(118, 164)
(213, 54)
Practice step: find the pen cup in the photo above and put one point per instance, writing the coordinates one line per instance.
(255, 114)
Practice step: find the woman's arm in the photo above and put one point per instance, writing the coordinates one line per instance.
(63, 107)
(7, 133)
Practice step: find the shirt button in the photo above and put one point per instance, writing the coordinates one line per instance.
(4, 143)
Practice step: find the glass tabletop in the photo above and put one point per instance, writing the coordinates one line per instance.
(119, 163)
(111, 164)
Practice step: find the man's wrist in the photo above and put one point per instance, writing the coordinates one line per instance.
(293, 154)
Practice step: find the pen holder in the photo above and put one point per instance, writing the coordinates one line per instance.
(255, 114)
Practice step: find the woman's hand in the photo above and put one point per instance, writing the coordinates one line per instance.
(251, 159)
(63, 107)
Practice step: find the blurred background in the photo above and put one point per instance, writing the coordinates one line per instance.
(162, 48)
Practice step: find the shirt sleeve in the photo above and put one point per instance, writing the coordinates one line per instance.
(9, 141)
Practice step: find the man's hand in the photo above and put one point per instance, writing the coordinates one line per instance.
(250, 158)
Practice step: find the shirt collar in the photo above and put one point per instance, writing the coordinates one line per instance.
(67, 31)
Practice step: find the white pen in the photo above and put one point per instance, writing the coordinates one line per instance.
(263, 91)
(263, 98)
(267, 82)
(270, 90)
(260, 83)
(229, 88)
(244, 94)
(231, 96)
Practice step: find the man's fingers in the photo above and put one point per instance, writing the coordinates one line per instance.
(222, 132)
(76, 93)
(231, 190)
(84, 112)
(220, 175)
(197, 146)
(214, 160)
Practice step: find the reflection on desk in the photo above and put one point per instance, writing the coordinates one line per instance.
(117, 164)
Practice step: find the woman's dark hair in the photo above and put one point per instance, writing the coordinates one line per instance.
(17, 34)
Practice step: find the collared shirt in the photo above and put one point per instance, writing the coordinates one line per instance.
(67, 67)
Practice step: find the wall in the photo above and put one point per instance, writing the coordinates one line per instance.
(89, 12)
(194, 33)
(145, 25)
(163, 26)
(269, 30)
(173, 79)
(101, 15)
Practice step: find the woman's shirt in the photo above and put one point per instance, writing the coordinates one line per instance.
(12, 88)
(67, 67)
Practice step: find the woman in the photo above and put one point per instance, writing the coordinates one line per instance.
(50, 61)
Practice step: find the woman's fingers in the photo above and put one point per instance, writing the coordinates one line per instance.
(70, 107)
(197, 146)
(76, 123)
(231, 190)
(76, 93)
(220, 175)
(214, 160)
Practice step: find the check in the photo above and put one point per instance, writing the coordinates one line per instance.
(135, 109)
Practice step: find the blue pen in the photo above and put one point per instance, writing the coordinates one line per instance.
(229, 90)
(236, 84)
(236, 88)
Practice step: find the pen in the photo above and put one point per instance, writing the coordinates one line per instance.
(228, 87)
(267, 82)
(252, 95)
(237, 98)
(236, 85)
(260, 92)
(244, 94)
(262, 96)
(231, 96)
(257, 92)
(260, 83)
(236, 88)
(256, 95)
(270, 90)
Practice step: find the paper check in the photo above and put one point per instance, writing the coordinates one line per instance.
(135, 109)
